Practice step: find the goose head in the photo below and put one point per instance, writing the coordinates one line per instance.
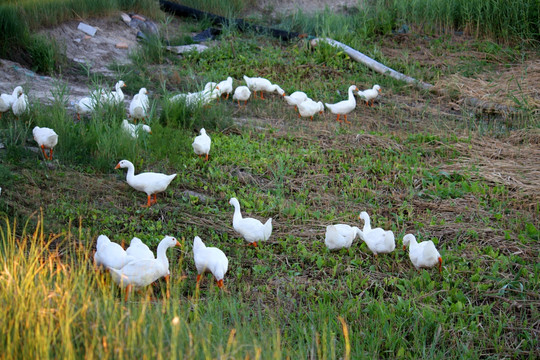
(377, 88)
(234, 202)
(170, 241)
(202, 131)
(147, 129)
(123, 164)
(18, 91)
(407, 239)
(321, 107)
(363, 216)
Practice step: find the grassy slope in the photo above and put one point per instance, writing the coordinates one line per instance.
(285, 297)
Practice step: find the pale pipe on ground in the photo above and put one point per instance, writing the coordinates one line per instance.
(385, 70)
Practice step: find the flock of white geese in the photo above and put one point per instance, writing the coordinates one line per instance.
(137, 266)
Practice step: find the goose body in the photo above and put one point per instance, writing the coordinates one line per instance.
(149, 182)
(46, 139)
(204, 97)
(134, 130)
(226, 87)
(209, 259)
(85, 106)
(241, 93)
(261, 84)
(139, 250)
(423, 254)
(201, 144)
(344, 107)
(308, 108)
(370, 95)
(379, 241)
(7, 100)
(113, 97)
(110, 254)
(138, 107)
(142, 272)
(340, 236)
(118, 95)
(211, 91)
(20, 105)
(252, 230)
(296, 98)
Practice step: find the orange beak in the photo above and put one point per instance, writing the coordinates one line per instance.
(117, 166)
(220, 283)
(178, 243)
(404, 248)
(124, 85)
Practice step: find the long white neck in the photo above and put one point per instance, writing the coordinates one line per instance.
(351, 95)
(130, 172)
(367, 224)
(358, 232)
(162, 254)
(15, 92)
(237, 214)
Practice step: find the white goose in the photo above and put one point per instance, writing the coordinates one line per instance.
(423, 254)
(46, 139)
(109, 254)
(139, 250)
(309, 108)
(151, 183)
(340, 236)
(241, 93)
(209, 259)
(261, 84)
(20, 105)
(138, 107)
(142, 272)
(344, 107)
(370, 95)
(296, 98)
(6, 100)
(134, 130)
(201, 144)
(114, 97)
(252, 230)
(85, 106)
(378, 240)
(226, 87)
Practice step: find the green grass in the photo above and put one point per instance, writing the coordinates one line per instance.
(412, 163)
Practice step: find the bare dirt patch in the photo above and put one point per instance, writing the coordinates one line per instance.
(99, 51)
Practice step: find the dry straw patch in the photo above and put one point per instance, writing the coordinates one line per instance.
(517, 86)
(501, 162)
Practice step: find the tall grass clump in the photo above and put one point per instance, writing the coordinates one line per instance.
(499, 19)
(97, 141)
(228, 9)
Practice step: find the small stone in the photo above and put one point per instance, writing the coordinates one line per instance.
(122, 45)
(125, 17)
(90, 30)
(187, 48)
(86, 37)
